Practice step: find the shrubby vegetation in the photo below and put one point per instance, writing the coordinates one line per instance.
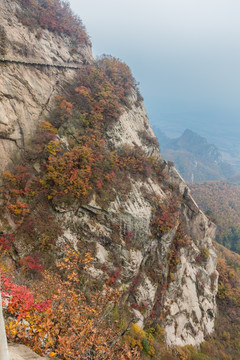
(64, 319)
(54, 15)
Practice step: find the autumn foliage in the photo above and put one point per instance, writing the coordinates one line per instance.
(221, 202)
(59, 317)
(71, 161)
(54, 15)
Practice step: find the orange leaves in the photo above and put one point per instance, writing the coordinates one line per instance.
(96, 96)
(72, 325)
(84, 91)
(14, 190)
(19, 208)
(45, 142)
(25, 206)
(95, 100)
(120, 76)
(134, 161)
(19, 178)
(54, 15)
(65, 108)
(70, 173)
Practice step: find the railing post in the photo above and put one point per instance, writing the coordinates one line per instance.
(3, 339)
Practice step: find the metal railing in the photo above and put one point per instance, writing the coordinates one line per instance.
(35, 63)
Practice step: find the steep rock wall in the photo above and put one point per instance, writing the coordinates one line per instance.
(27, 93)
(184, 298)
(166, 278)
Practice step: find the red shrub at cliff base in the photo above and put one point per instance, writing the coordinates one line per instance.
(20, 299)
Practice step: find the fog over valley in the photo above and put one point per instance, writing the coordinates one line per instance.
(185, 54)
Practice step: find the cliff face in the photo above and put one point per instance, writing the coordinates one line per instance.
(28, 92)
(166, 268)
(185, 295)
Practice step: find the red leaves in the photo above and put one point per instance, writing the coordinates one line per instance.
(99, 184)
(166, 217)
(20, 299)
(127, 237)
(6, 241)
(31, 262)
(19, 208)
(71, 324)
(115, 275)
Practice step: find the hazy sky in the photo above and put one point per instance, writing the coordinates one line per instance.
(185, 53)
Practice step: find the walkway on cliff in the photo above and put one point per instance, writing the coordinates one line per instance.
(34, 63)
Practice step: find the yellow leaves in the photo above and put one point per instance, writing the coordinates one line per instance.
(46, 126)
(88, 259)
(53, 354)
(54, 146)
(12, 328)
(10, 177)
(140, 332)
(69, 174)
(19, 208)
(84, 91)
(73, 277)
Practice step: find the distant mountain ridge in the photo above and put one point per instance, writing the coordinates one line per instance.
(195, 158)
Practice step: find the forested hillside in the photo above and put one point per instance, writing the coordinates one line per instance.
(221, 202)
(195, 158)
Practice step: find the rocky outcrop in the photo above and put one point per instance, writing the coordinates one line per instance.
(190, 303)
(21, 352)
(29, 92)
(125, 245)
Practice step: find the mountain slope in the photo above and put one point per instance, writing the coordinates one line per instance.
(194, 157)
(221, 201)
(90, 176)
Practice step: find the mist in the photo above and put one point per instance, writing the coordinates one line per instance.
(185, 54)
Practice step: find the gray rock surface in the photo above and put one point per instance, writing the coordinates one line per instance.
(27, 93)
(22, 352)
(188, 303)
